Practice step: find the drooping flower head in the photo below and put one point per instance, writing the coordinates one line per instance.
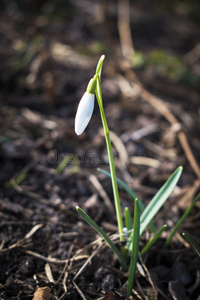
(85, 107)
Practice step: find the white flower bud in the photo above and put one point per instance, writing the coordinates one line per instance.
(84, 112)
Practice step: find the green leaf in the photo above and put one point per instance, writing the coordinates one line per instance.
(62, 165)
(158, 200)
(20, 178)
(128, 224)
(125, 187)
(127, 216)
(192, 243)
(134, 252)
(181, 220)
(103, 234)
(154, 239)
(130, 192)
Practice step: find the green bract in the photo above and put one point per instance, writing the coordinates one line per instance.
(92, 85)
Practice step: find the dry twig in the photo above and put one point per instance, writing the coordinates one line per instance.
(88, 261)
(95, 182)
(124, 28)
(79, 291)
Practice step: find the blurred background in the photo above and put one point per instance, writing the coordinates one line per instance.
(49, 51)
(43, 44)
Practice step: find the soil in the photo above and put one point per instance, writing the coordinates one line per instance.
(48, 54)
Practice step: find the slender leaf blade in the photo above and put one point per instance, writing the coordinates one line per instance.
(192, 243)
(103, 234)
(134, 252)
(63, 164)
(127, 216)
(182, 219)
(154, 239)
(129, 224)
(130, 192)
(159, 199)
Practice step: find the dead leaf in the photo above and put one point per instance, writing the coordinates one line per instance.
(43, 293)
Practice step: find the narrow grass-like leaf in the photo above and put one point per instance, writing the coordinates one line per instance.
(159, 199)
(134, 252)
(181, 220)
(15, 182)
(125, 187)
(192, 243)
(128, 224)
(130, 192)
(127, 216)
(20, 178)
(154, 239)
(63, 164)
(103, 234)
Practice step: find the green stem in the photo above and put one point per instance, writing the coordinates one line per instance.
(111, 161)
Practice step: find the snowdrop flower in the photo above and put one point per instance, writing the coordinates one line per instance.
(85, 107)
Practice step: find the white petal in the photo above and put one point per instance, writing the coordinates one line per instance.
(84, 112)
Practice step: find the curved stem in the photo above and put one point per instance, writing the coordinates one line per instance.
(111, 161)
